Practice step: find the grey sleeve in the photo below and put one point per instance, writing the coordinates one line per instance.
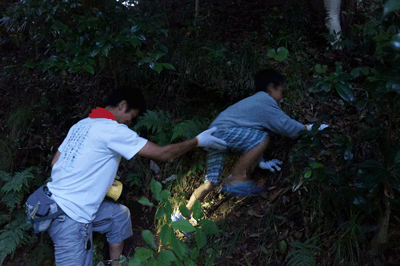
(280, 123)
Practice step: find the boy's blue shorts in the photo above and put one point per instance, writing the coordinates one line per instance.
(240, 140)
(68, 236)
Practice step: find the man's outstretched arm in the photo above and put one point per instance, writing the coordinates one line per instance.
(171, 151)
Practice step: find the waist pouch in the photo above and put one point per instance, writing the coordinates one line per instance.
(41, 209)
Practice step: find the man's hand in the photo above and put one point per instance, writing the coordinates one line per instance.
(321, 127)
(270, 164)
(206, 139)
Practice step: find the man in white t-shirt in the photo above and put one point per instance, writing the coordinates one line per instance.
(84, 168)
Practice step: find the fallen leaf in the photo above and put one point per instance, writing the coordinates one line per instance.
(254, 213)
(276, 194)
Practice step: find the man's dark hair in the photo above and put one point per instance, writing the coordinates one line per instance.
(132, 95)
(266, 76)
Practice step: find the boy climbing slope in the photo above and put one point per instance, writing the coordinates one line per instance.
(245, 126)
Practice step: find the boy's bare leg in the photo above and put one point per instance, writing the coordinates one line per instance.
(200, 193)
(247, 160)
(239, 173)
(115, 252)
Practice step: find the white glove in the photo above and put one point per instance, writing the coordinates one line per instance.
(321, 127)
(206, 139)
(270, 164)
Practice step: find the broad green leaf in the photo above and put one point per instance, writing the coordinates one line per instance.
(134, 262)
(156, 189)
(145, 60)
(345, 91)
(156, 66)
(365, 71)
(94, 52)
(280, 54)
(135, 42)
(149, 238)
(356, 72)
(168, 210)
(165, 194)
(160, 213)
(318, 165)
(159, 55)
(183, 225)
(166, 256)
(139, 53)
(320, 69)
(326, 86)
(201, 238)
(168, 66)
(145, 201)
(271, 53)
(339, 68)
(308, 174)
(165, 234)
(391, 6)
(282, 246)
(143, 253)
(184, 211)
(75, 69)
(179, 248)
(189, 262)
(89, 69)
(208, 226)
(106, 48)
(197, 212)
(195, 253)
(80, 59)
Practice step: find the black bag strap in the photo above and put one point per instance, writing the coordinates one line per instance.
(50, 216)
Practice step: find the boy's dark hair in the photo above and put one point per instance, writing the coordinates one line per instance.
(266, 76)
(132, 95)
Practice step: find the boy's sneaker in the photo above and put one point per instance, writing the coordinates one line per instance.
(177, 216)
(242, 189)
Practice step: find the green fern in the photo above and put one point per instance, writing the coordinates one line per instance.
(188, 129)
(4, 218)
(159, 123)
(156, 121)
(12, 200)
(15, 188)
(4, 176)
(17, 182)
(14, 235)
(303, 255)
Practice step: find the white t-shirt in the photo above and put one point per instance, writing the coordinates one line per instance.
(89, 160)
